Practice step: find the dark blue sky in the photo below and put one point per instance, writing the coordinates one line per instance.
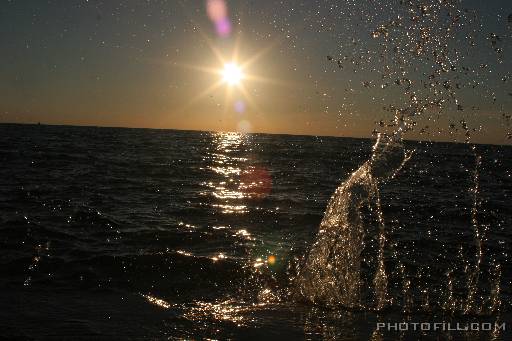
(141, 64)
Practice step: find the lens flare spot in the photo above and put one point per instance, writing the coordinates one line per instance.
(217, 11)
(223, 27)
(256, 182)
(271, 260)
(239, 106)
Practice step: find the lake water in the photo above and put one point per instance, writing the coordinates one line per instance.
(137, 233)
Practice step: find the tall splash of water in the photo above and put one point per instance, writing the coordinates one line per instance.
(475, 273)
(474, 304)
(332, 273)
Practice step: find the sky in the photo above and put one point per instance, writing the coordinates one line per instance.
(310, 67)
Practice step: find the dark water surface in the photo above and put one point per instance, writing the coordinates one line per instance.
(134, 233)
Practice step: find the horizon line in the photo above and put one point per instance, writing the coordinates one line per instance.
(238, 132)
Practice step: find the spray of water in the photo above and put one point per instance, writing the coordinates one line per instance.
(331, 275)
(475, 273)
(419, 55)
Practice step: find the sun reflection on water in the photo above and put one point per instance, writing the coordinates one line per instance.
(227, 165)
(244, 234)
(157, 301)
(232, 208)
(236, 182)
(235, 176)
(229, 310)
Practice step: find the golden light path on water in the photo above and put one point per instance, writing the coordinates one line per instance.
(236, 180)
(157, 301)
(228, 310)
(236, 183)
(226, 166)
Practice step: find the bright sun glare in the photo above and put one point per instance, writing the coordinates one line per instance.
(232, 74)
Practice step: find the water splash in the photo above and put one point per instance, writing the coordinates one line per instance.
(332, 273)
(423, 50)
(475, 273)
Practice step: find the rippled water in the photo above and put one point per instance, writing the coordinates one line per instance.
(137, 233)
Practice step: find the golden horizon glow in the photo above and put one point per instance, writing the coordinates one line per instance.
(232, 74)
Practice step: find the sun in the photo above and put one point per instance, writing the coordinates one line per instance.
(232, 74)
